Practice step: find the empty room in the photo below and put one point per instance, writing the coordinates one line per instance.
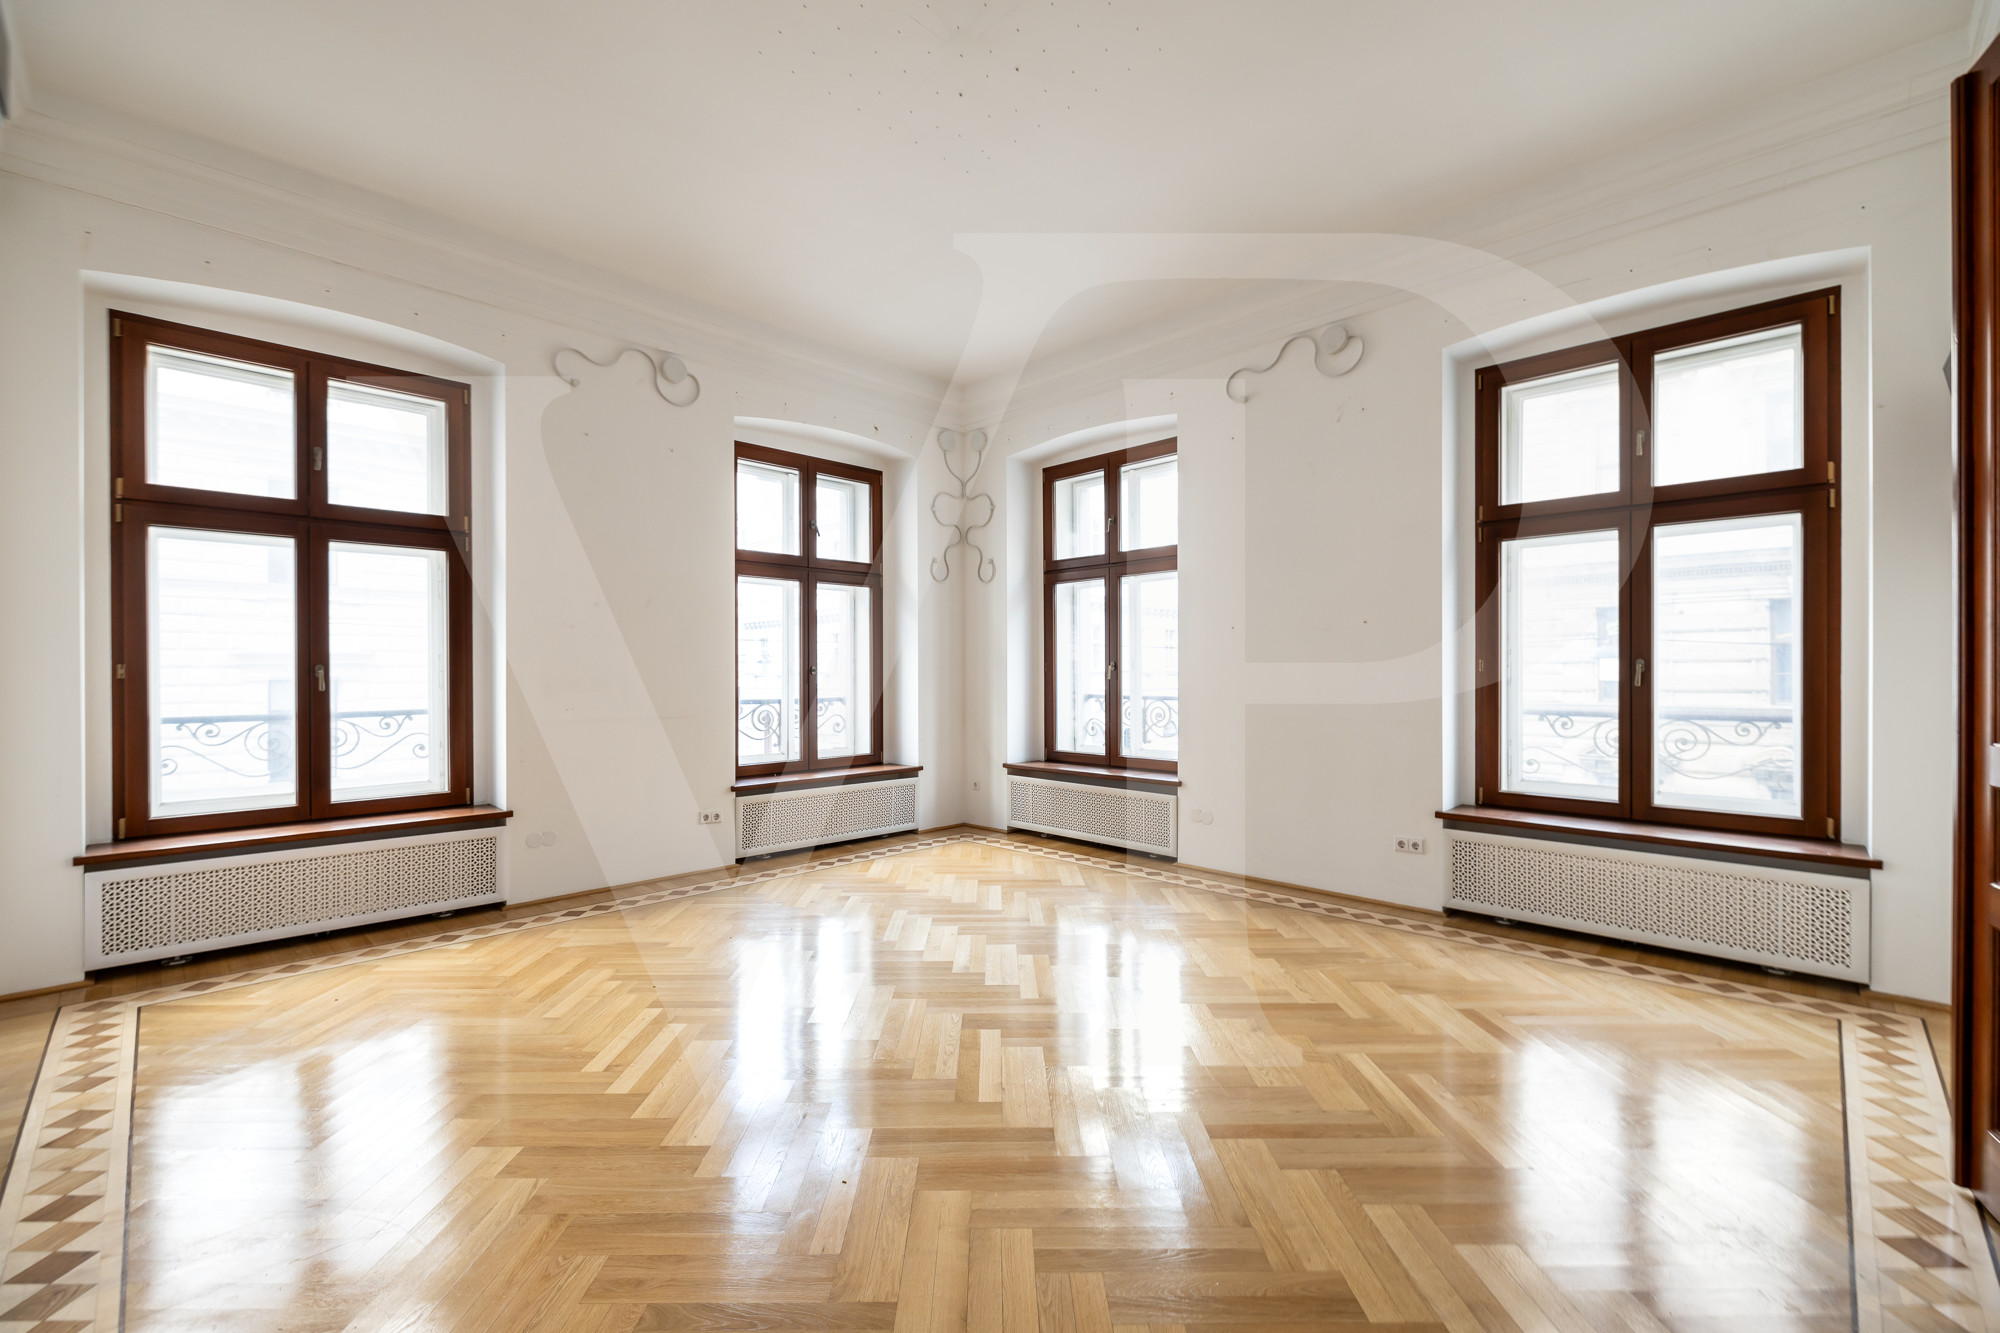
(1000, 666)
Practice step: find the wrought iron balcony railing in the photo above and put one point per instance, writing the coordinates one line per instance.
(260, 746)
(1159, 717)
(1707, 745)
(767, 722)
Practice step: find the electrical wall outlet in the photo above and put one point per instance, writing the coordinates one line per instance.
(711, 816)
(1414, 846)
(975, 784)
(1201, 816)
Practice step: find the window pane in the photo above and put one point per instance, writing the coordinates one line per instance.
(384, 450)
(1730, 408)
(1559, 665)
(1559, 436)
(768, 663)
(845, 713)
(222, 639)
(219, 425)
(1077, 640)
(767, 508)
(1149, 496)
(1079, 517)
(1150, 665)
(1726, 599)
(388, 670)
(841, 519)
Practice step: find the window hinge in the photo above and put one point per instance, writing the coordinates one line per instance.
(1482, 666)
(1830, 474)
(468, 396)
(1481, 511)
(1479, 380)
(1831, 502)
(118, 487)
(1833, 304)
(118, 331)
(1829, 818)
(466, 523)
(121, 826)
(1479, 796)
(1640, 450)
(121, 671)
(117, 513)
(468, 796)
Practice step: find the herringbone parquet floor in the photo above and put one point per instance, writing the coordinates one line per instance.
(970, 1087)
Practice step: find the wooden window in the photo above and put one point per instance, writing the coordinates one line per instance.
(292, 611)
(1657, 540)
(808, 613)
(1111, 609)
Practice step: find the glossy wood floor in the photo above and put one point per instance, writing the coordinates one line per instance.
(972, 1087)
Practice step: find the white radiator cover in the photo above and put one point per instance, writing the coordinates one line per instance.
(139, 913)
(787, 821)
(1140, 821)
(1798, 920)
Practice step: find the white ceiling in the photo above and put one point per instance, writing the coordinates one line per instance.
(807, 164)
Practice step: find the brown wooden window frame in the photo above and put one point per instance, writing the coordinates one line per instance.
(809, 571)
(1635, 509)
(1111, 566)
(139, 505)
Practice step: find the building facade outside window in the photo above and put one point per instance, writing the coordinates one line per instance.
(291, 627)
(1111, 609)
(808, 613)
(1658, 538)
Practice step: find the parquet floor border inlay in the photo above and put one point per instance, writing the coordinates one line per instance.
(1920, 1259)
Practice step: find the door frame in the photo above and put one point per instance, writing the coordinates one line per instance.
(1975, 376)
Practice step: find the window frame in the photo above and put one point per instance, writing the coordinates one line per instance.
(1111, 566)
(1636, 510)
(809, 571)
(139, 506)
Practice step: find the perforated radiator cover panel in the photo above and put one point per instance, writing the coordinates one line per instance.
(785, 821)
(1135, 820)
(1799, 921)
(169, 910)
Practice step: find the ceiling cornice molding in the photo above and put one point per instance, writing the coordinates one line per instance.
(198, 181)
(1876, 110)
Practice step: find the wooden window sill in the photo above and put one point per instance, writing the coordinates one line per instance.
(824, 777)
(1096, 775)
(181, 846)
(1844, 856)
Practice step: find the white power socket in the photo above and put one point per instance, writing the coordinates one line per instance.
(1202, 816)
(711, 816)
(1414, 846)
(975, 785)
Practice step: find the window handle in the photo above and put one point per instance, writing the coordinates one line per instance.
(1109, 667)
(1638, 673)
(319, 456)
(320, 671)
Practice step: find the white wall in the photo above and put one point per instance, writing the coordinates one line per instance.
(1324, 577)
(602, 536)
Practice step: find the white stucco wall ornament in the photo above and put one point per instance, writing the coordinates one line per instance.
(964, 513)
